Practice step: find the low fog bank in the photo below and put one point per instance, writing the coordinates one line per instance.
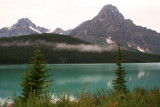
(85, 48)
(62, 46)
(26, 43)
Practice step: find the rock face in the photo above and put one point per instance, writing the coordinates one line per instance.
(23, 27)
(61, 31)
(109, 27)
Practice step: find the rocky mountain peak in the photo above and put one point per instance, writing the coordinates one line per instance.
(58, 31)
(61, 31)
(109, 12)
(24, 22)
(24, 26)
(109, 27)
(109, 7)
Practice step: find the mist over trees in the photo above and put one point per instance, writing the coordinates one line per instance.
(18, 50)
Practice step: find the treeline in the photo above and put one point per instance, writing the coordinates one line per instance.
(17, 50)
(21, 55)
(56, 38)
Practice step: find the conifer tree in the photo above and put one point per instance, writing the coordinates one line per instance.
(35, 80)
(119, 82)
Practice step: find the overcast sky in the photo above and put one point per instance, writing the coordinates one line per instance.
(67, 14)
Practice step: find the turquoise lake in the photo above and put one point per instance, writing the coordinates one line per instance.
(73, 76)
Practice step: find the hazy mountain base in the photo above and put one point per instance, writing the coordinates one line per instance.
(63, 49)
(21, 55)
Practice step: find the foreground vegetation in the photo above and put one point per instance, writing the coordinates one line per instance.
(140, 97)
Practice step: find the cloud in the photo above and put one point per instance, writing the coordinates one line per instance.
(62, 46)
(22, 43)
(84, 47)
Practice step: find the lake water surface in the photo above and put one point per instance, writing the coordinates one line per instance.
(73, 76)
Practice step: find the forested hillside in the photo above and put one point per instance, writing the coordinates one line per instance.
(18, 50)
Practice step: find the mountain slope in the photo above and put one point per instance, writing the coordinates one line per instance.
(23, 27)
(62, 49)
(61, 31)
(109, 27)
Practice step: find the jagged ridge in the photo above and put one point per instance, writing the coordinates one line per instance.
(109, 27)
(23, 26)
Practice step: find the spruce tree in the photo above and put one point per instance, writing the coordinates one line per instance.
(119, 81)
(35, 80)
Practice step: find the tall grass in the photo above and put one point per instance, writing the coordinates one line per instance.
(140, 97)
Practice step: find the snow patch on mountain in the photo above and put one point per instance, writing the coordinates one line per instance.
(101, 20)
(129, 45)
(140, 49)
(85, 32)
(109, 41)
(35, 29)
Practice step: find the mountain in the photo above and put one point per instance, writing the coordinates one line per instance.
(62, 49)
(24, 26)
(110, 27)
(61, 31)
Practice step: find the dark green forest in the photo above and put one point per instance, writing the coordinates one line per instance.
(56, 38)
(20, 54)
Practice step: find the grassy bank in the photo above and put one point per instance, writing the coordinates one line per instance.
(140, 97)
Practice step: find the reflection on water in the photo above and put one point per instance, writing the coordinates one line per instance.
(81, 79)
(141, 74)
(130, 78)
(71, 76)
(109, 84)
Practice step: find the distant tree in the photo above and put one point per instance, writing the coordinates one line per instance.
(119, 82)
(35, 80)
